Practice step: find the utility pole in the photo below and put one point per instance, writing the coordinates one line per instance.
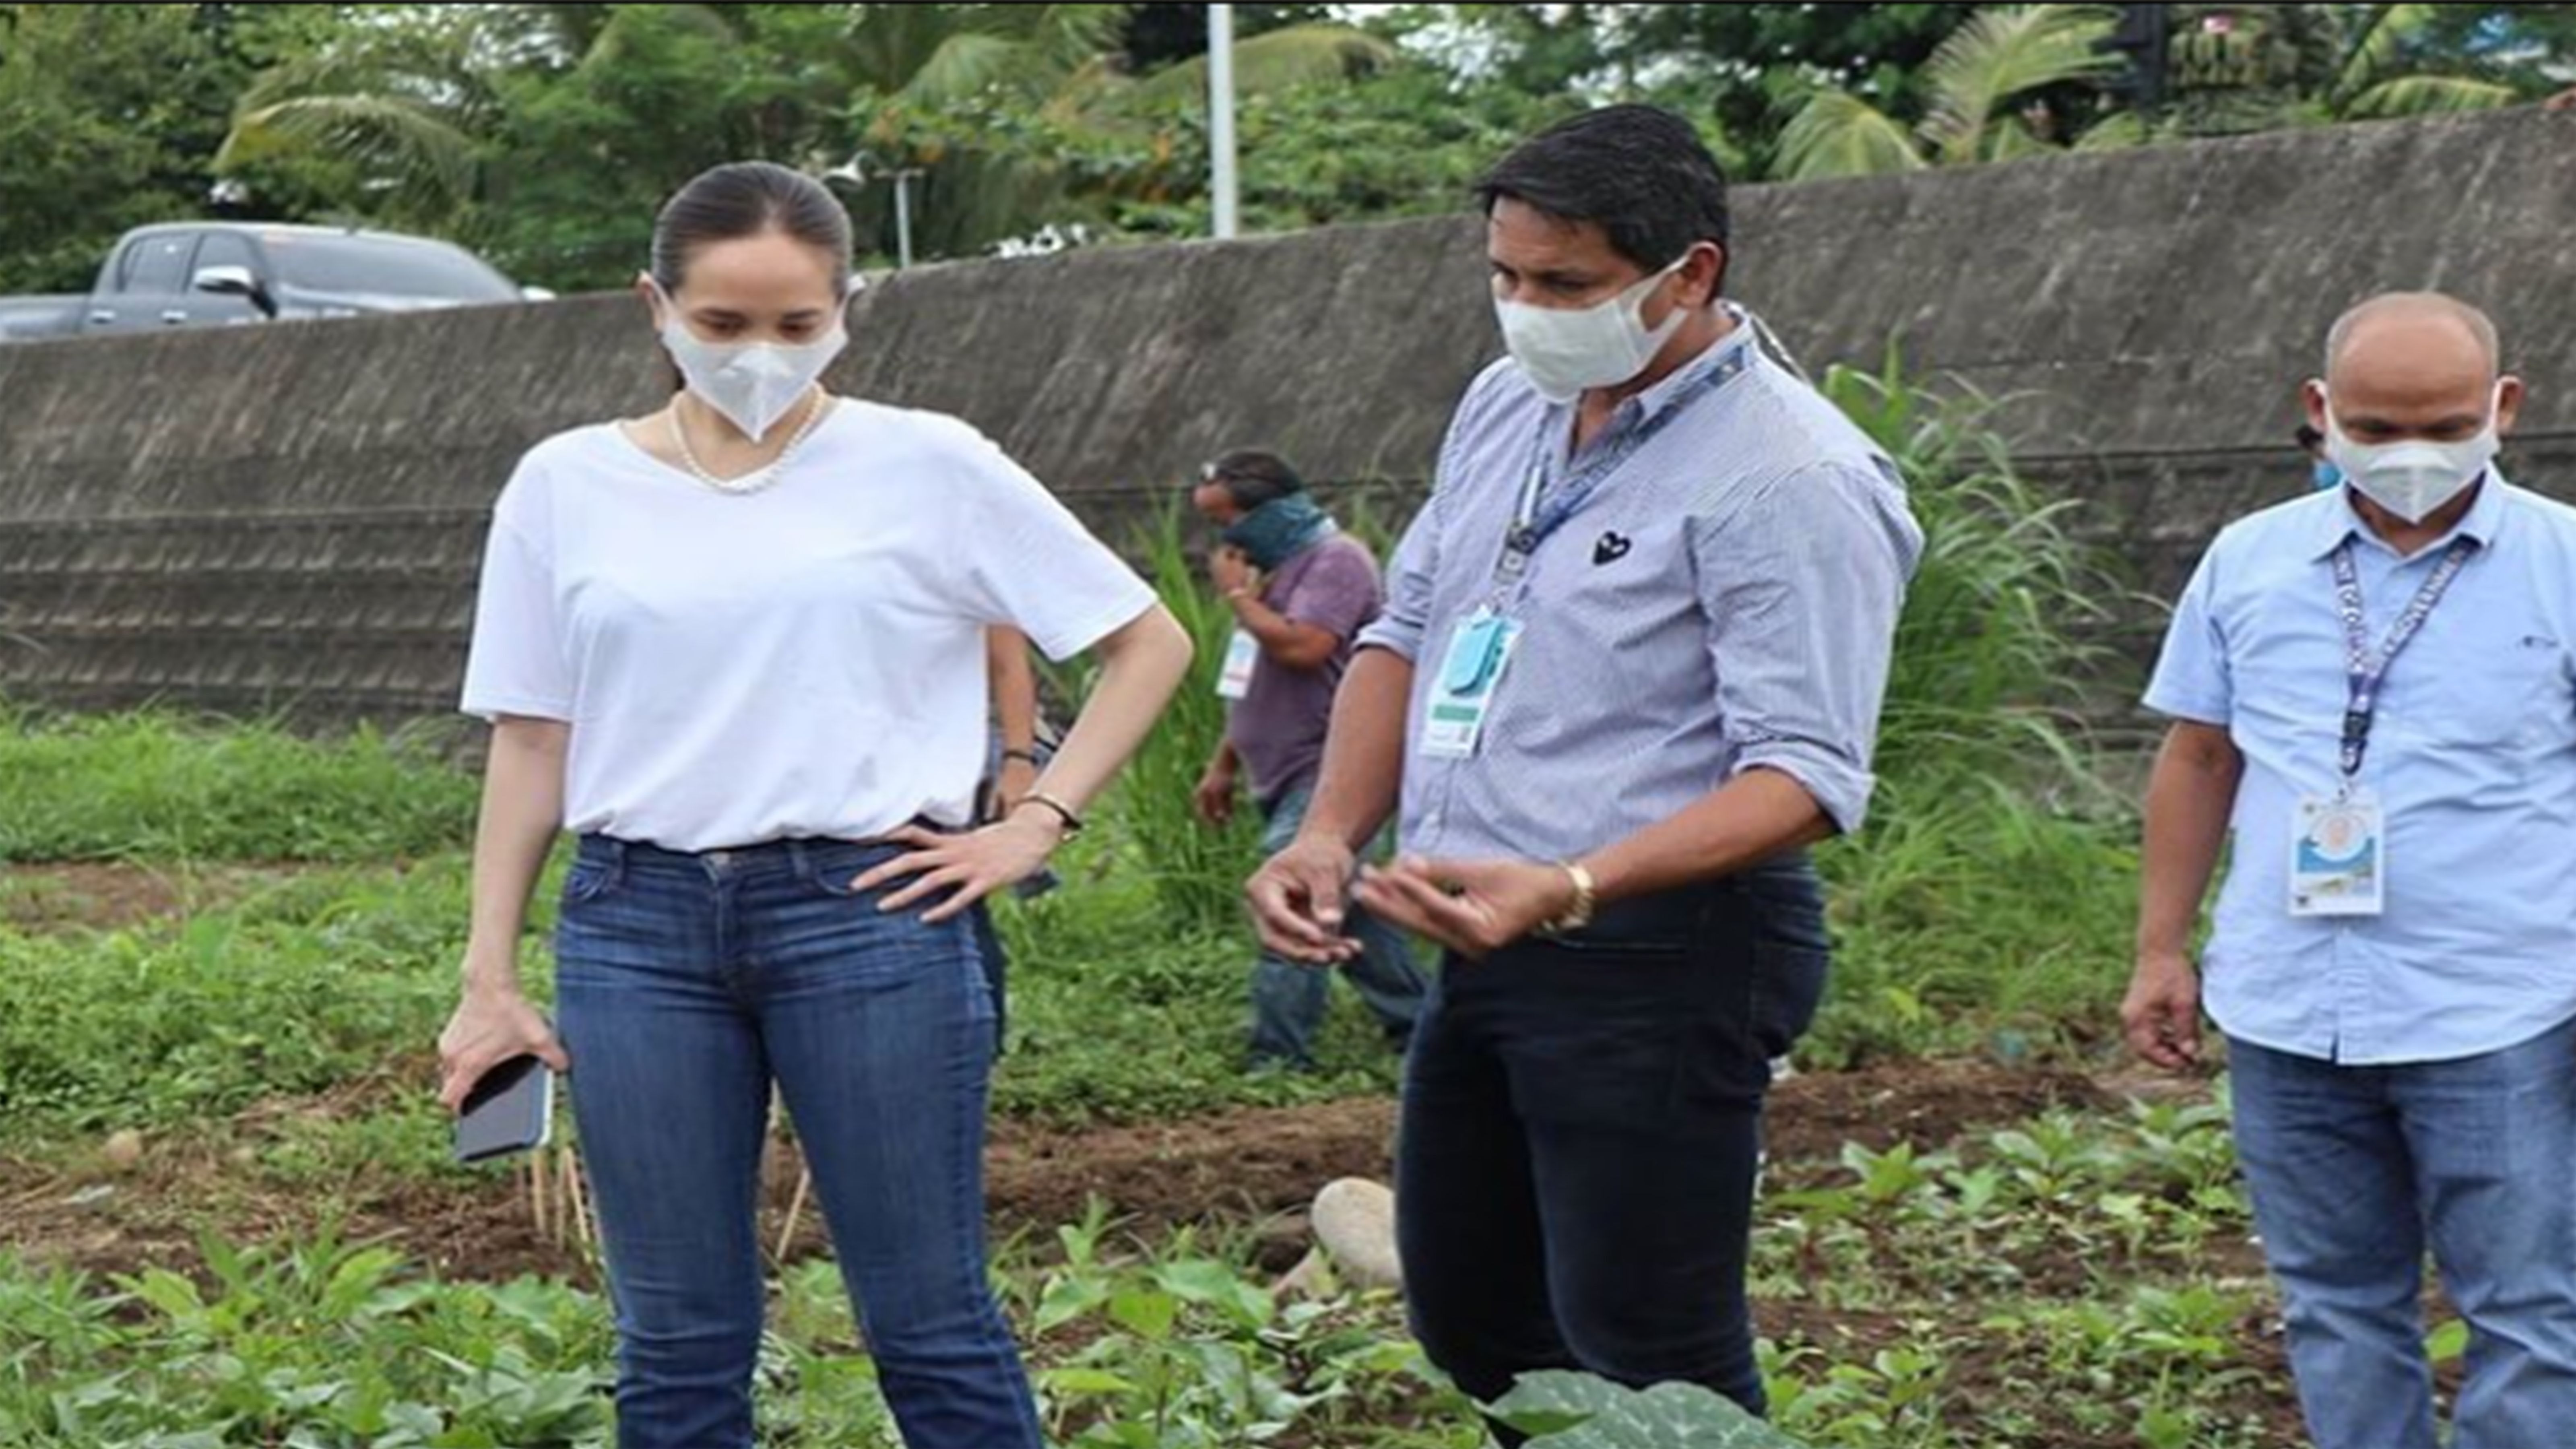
(1221, 118)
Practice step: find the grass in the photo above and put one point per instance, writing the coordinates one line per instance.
(153, 786)
(1196, 871)
(334, 977)
(1990, 902)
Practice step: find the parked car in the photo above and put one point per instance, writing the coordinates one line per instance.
(222, 274)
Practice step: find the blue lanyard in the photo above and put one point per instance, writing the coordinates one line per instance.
(2363, 674)
(1534, 520)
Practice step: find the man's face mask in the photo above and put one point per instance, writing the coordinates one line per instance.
(2413, 479)
(1564, 351)
(752, 384)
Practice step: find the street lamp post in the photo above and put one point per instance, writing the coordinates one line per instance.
(903, 215)
(855, 172)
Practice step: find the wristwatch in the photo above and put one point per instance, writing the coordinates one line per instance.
(1587, 900)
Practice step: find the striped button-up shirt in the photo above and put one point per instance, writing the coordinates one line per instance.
(1724, 599)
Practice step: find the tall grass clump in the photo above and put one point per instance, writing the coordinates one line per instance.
(1197, 871)
(1991, 898)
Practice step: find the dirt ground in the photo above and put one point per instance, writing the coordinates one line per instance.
(1233, 1168)
(108, 896)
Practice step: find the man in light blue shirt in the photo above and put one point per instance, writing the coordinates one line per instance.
(1631, 662)
(2374, 695)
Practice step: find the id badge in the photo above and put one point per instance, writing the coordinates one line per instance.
(1241, 654)
(2338, 856)
(1463, 695)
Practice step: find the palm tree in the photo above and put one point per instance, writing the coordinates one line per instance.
(937, 96)
(2000, 55)
(2373, 85)
(418, 109)
(402, 107)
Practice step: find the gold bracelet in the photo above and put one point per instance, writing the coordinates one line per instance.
(1587, 901)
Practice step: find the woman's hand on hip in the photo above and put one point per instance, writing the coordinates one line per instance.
(966, 868)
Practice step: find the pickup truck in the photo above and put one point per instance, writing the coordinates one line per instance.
(220, 274)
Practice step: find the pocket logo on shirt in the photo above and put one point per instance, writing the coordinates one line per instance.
(1610, 550)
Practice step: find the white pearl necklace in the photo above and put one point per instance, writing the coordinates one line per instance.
(759, 478)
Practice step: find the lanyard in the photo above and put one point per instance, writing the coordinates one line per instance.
(1542, 510)
(2364, 674)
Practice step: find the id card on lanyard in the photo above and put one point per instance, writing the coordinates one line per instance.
(1242, 656)
(1481, 647)
(2339, 843)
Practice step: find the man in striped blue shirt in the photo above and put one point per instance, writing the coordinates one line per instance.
(1631, 664)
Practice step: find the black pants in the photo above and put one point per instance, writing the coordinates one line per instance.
(1581, 1129)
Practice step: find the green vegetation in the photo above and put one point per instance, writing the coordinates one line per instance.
(153, 787)
(546, 135)
(2080, 1277)
(335, 1346)
(1991, 899)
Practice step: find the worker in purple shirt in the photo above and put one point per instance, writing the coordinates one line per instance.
(1301, 591)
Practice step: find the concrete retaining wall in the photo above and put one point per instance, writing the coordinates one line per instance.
(289, 517)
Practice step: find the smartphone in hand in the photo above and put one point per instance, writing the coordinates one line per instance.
(512, 1109)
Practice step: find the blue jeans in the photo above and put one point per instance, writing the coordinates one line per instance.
(1581, 1132)
(2355, 1170)
(1288, 999)
(686, 986)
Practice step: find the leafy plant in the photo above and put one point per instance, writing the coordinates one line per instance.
(2002, 54)
(1580, 1411)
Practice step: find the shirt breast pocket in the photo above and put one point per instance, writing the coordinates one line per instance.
(2510, 695)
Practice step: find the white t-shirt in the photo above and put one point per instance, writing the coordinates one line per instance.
(803, 661)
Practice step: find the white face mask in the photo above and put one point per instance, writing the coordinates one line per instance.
(1565, 350)
(753, 384)
(2413, 479)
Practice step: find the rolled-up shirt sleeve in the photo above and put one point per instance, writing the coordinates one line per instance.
(1399, 627)
(1803, 585)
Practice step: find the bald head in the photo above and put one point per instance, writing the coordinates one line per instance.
(2413, 365)
(2395, 321)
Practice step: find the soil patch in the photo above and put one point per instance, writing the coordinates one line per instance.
(1243, 1168)
(110, 895)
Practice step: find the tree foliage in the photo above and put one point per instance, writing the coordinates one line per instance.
(545, 135)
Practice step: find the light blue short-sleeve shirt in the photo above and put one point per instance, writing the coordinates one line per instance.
(2472, 757)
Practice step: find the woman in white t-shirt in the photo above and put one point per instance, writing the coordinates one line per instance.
(737, 646)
